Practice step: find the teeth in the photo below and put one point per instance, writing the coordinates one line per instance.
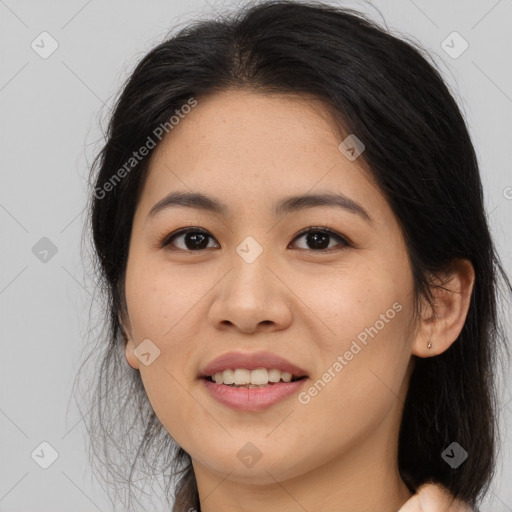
(287, 377)
(228, 377)
(242, 377)
(274, 376)
(259, 376)
(251, 378)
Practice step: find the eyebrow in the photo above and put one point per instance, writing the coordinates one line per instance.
(290, 204)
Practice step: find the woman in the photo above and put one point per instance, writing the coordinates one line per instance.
(302, 287)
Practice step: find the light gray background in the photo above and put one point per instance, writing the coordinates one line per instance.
(50, 114)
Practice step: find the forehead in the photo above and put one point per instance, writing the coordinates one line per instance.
(248, 147)
(248, 120)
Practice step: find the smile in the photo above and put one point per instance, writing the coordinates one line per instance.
(251, 381)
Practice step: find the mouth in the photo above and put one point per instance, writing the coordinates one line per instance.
(251, 381)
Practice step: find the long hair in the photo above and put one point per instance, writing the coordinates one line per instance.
(418, 150)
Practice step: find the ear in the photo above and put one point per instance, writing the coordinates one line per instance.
(441, 323)
(129, 345)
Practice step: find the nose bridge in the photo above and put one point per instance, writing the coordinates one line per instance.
(249, 263)
(251, 295)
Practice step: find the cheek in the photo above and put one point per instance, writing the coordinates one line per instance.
(365, 353)
(159, 297)
(358, 386)
(160, 303)
(361, 301)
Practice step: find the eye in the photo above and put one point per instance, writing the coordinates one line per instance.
(196, 239)
(319, 237)
(193, 239)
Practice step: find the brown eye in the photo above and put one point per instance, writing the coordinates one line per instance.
(191, 239)
(319, 239)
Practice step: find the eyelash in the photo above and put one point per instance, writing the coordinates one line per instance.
(166, 242)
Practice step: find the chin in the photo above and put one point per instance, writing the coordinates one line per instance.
(246, 465)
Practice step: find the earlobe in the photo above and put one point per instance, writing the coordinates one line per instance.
(129, 347)
(442, 322)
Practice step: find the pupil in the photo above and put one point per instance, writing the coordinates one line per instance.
(198, 241)
(317, 240)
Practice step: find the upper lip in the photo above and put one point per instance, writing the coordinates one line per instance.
(250, 361)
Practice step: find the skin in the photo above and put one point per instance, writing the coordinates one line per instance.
(434, 498)
(339, 451)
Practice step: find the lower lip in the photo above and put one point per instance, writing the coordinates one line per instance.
(252, 399)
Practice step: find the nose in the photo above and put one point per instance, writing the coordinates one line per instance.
(251, 297)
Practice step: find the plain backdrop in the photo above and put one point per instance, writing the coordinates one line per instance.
(51, 108)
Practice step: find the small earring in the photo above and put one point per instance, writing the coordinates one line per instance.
(429, 345)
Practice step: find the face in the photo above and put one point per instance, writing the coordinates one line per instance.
(336, 304)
